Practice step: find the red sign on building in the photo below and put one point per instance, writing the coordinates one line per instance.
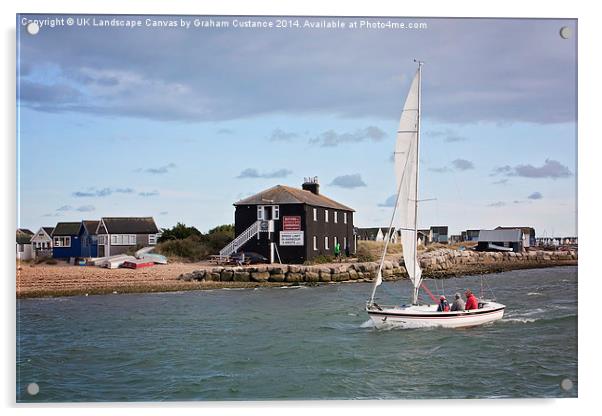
(291, 223)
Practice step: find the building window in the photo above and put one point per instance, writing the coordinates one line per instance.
(326, 243)
(276, 210)
(315, 243)
(325, 215)
(345, 217)
(152, 239)
(315, 214)
(123, 239)
(336, 217)
(63, 241)
(260, 212)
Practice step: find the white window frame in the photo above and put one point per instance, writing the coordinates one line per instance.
(152, 239)
(335, 241)
(259, 212)
(276, 212)
(62, 241)
(123, 239)
(344, 243)
(336, 217)
(326, 243)
(325, 215)
(345, 217)
(315, 243)
(315, 214)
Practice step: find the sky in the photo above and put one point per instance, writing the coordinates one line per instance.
(179, 123)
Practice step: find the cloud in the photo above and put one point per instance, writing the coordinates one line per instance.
(303, 72)
(497, 204)
(457, 165)
(348, 181)
(535, 195)
(449, 135)
(550, 169)
(389, 202)
(331, 138)
(280, 135)
(462, 164)
(161, 169)
(501, 182)
(253, 173)
(93, 192)
(225, 131)
(86, 208)
(65, 208)
(151, 193)
(163, 213)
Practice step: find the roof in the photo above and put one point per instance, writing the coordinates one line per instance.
(48, 230)
(90, 226)
(66, 228)
(23, 236)
(514, 235)
(526, 230)
(130, 225)
(281, 195)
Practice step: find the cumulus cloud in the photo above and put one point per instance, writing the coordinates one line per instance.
(83, 208)
(497, 204)
(552, 169)
(65, 208)
(93, 192)
(348, 181)
(86, 208)
(457, 165)
(254, 173)
(389, 202)
(500, 182)
(535, 195)
(448, 135)
(280, 135)
(331, 138)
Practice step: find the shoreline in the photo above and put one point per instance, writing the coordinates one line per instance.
(43, 281)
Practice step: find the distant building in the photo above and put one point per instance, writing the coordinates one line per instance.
(291, 224)
(528, 234)
(439, 234)
(377, 234)
(24, 249)
(501, 240)
(117, 235)
(470, 235)
(425, 237)
(66, 241)
(455, 238)
(42, 242)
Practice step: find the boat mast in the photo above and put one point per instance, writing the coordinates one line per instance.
(415, 244)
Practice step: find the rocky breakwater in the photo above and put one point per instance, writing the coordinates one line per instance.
(447, 262)
(297, 273)
(438, 263)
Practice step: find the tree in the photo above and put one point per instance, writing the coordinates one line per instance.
(179, 232)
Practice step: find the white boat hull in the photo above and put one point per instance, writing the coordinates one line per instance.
(425, 316)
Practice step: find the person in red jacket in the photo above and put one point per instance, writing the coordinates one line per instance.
(471, 300)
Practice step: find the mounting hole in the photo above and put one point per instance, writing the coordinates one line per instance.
(565, 32)
(566, 384)
(33, 28)
(33, 389)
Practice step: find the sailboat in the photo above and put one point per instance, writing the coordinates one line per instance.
(415, 314)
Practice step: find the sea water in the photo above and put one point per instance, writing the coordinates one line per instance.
(300, 343)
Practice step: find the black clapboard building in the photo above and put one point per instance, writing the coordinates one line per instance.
(291, 224)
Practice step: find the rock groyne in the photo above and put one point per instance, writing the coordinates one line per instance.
(439, 263)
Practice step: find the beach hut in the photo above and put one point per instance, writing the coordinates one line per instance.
(88, 238)
(23, 244)
(65, 240)
(42, 242)
(117, 235)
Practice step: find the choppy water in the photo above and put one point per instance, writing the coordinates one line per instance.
(296, 343)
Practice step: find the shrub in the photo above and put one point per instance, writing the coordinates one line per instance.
(191, 249)
(51, 261)
(364, 254)
(179, 232)
(321, 259)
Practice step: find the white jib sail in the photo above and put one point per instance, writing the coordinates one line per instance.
(406, 170)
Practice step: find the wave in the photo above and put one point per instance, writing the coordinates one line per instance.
(520, 320)
(534, 294)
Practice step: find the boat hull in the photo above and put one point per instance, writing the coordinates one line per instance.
(425, 316)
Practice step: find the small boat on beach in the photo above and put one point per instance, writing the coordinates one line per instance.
(137, 264)
(414, 314)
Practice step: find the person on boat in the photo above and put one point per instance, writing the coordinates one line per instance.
(443, 305)
(337, 251)
(471, 300)
(458, 304)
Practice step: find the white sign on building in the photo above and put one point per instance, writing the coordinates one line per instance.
(291, 238)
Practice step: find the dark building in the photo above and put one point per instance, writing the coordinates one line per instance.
(439, 234)
(470, 235)
(528, 234)
(501, 240)
(291, 225)
(117, 235)
(65, 240)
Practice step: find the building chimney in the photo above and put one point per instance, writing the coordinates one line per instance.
(311, 184)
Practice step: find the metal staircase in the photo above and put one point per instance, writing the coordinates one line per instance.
(245, 236)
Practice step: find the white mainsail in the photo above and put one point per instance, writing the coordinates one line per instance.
(406, 171)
